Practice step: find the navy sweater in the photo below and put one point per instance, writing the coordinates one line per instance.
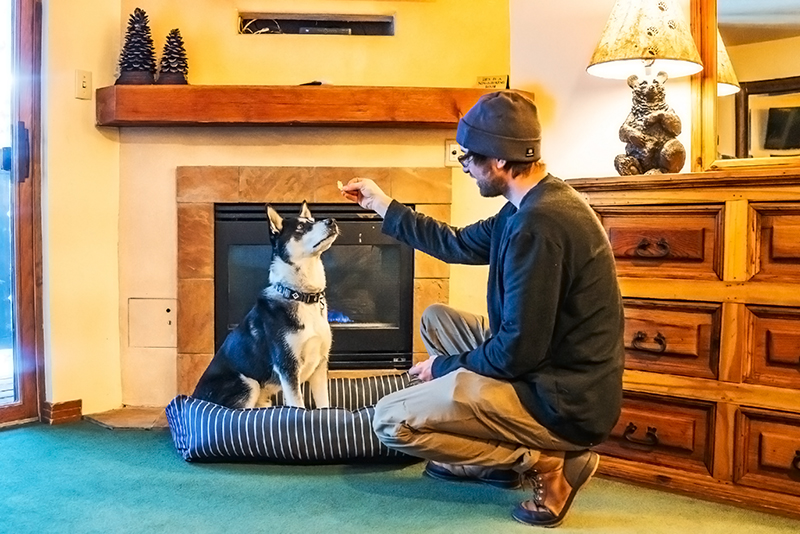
(554, 304)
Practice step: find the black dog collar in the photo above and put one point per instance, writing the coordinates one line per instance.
(292, 294)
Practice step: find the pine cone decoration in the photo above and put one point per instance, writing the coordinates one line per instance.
(137, 63)
(174, 66)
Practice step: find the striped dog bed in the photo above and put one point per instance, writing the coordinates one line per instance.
(203, 431)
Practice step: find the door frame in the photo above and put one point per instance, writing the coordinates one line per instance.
(28, 317)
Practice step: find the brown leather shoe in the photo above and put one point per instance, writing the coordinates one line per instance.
(555, 484)
(499, 478)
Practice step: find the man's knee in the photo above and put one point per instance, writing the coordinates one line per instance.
(388, 422)
(432, 315)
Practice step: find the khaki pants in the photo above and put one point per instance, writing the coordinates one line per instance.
(462, 417)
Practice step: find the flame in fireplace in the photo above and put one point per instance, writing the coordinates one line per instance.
(335, 316)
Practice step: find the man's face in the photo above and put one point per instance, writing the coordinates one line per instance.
(490, 183)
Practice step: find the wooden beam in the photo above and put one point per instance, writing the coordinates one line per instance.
(231, 105)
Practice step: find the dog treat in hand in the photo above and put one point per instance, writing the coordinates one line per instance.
(339, 184)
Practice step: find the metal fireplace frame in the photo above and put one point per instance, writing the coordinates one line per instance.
(353, 348)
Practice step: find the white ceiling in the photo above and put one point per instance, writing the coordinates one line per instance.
(749, 21)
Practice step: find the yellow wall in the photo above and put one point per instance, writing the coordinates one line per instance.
(110, 212)
(437, 43)
(551, 45)
(550, 48)
(109, 196)
(81, 207)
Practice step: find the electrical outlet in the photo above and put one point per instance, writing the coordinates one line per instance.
(451, 152)
(83, 85)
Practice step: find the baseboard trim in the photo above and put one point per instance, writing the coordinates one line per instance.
(19, 422)
(57, 413)
(700, 485)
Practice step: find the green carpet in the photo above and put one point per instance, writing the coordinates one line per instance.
(83, 478)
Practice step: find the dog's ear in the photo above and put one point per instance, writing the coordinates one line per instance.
(275, 221)
(305, 213)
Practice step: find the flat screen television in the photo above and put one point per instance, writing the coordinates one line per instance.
(783, 129)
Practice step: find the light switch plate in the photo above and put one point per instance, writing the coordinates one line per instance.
(83, 85)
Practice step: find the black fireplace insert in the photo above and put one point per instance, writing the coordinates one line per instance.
(370, 281)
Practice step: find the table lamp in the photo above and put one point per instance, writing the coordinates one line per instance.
(646, 42)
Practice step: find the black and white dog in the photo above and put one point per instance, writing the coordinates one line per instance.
(285, 339)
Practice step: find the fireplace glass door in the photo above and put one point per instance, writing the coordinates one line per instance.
(369, 276)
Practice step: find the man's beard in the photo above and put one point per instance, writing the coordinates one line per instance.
(492, 186)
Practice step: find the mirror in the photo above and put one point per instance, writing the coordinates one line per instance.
(759, 125)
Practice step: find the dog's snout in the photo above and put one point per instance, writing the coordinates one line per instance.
(331, 227)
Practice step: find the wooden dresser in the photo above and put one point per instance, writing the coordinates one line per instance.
(709, 266)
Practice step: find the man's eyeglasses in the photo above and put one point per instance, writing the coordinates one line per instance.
(465, 158)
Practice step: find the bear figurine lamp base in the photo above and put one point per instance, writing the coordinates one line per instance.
(646, 42)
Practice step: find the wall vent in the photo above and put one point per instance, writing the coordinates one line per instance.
(315, 24)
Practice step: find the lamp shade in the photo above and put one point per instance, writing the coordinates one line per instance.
(727, 82)
(641, 34)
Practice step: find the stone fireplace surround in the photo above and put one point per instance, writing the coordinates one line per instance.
(199, 188)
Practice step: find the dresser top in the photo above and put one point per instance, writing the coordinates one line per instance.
(744, 178)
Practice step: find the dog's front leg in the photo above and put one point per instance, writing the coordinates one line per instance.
(265, 397)
(318, 382)
(291, 393)
(253, 389)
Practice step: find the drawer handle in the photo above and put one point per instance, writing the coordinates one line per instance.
(796, 462)
(640, 337)
(643, 249)
(650, 437)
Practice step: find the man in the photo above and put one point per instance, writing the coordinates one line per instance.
(522, 398)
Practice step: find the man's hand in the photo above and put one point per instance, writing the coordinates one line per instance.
(367, 194)
(422, 370)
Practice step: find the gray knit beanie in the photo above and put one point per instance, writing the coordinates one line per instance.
(502, 125)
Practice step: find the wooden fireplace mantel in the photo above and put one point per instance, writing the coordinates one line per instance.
(257, 105)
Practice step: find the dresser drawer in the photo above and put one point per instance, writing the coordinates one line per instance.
(666, 241)
(680, 338)
(772, 357)
(777, 241)
(663, 431)
(768, 450)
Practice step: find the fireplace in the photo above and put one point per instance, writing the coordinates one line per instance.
(199, 190)
(370, 281)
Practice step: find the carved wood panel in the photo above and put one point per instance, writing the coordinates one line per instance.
(666, 241)
(672, 337)
(772, 356)
(777, 241)
(768, 451)
(663, 431)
